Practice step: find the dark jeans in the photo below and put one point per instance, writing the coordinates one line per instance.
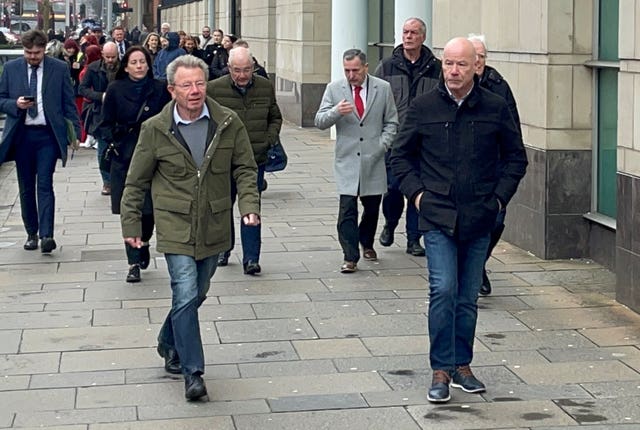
(133, 254)
(105, 174)
(190, 280)
(350, 234)
(250, 235)
(36, 156)
(455, 275)
(393, 206)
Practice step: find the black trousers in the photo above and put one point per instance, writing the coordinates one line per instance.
(350, 234)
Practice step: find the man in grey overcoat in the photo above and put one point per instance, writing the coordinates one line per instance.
(364, 112)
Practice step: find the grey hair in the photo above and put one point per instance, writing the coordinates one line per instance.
(350, 54)
(479, 38)
(423, 25)
(188, 62)
(235, 51)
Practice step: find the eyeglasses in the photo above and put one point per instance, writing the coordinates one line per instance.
(246, 70)
(187, 85)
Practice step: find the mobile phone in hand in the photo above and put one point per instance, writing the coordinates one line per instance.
(29, 98)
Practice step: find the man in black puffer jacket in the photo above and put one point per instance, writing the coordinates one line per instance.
(412, 70)
(494, 82)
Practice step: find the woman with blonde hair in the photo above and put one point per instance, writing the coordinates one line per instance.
(152, 44)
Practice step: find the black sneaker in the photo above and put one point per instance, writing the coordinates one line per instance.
(194, 387)
(439, 391)
(251, 268)
(415, 249)
(463, 378)
(134, 273)
(485, 288)
(223, 259)
(386, 237)
(47, 244)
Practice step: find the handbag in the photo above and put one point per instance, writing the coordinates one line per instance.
(276, 158)
(112, 150)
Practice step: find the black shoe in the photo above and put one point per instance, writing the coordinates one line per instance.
(47, 244)
(171, 360)
(194, 387)
(223, 259)
(31, 243)
(145, 257)
(439, 391)
(386, 237)
(251, 268)
(134, 273)
(464, 378)
(485, 288)
(264, 185)
(415, 249)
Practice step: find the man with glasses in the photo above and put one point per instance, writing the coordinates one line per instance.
(191, 203)
(253, 98)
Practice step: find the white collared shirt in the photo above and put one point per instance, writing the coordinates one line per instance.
(40, 119)
(178, 119)
(458, 101)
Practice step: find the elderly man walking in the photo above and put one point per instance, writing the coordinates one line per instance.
(187, 155)
(459, 158)
(253, 98)
(362, 108)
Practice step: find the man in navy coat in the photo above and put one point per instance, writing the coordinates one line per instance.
(37, 97)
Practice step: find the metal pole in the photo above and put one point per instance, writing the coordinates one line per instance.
(67, 21)
(109, 17)
(212, 15)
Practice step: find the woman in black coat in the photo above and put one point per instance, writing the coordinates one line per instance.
(219, 64)
(132, 98)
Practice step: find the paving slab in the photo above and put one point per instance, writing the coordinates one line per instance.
(330, 348)
(565, 373)
(249, 352)
(577, 318)
(74, 416)
(286, 368)
(613, 389)
(313, 309)
(317, 403)
(591, 354)
(274, 329)
(218, 423)
(14, 382)
(521, 392)
(203, 409)
(525, 414)
(353, 419)
(77, 379)
(37, 400)
(603, 411)
(518, 341)
(376, 325)
(612, 336)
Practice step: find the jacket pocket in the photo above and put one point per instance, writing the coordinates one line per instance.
(171, 161)
(218, 224)
(173, 219)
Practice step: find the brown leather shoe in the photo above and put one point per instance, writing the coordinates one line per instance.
(369, 254)
(106, 190)
(348, 267)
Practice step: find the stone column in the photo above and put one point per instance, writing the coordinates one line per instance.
(404, 9)
(348, 30)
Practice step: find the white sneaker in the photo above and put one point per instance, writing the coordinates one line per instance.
(85, 144)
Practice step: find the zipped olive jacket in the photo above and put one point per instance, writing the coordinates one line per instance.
(192, 206)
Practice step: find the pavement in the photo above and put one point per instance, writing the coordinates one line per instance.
(301, 346)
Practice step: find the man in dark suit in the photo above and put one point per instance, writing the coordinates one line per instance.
(117, 34)
(37, 97)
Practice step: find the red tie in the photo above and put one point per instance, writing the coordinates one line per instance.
(358, 100)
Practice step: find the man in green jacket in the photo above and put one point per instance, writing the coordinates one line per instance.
(187, 155)
(253, 98)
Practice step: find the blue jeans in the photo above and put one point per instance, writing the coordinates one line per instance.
(105, 174)
(393, 206)
(455, 275)
(250, 235)
(190, 279)
(36, 156)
